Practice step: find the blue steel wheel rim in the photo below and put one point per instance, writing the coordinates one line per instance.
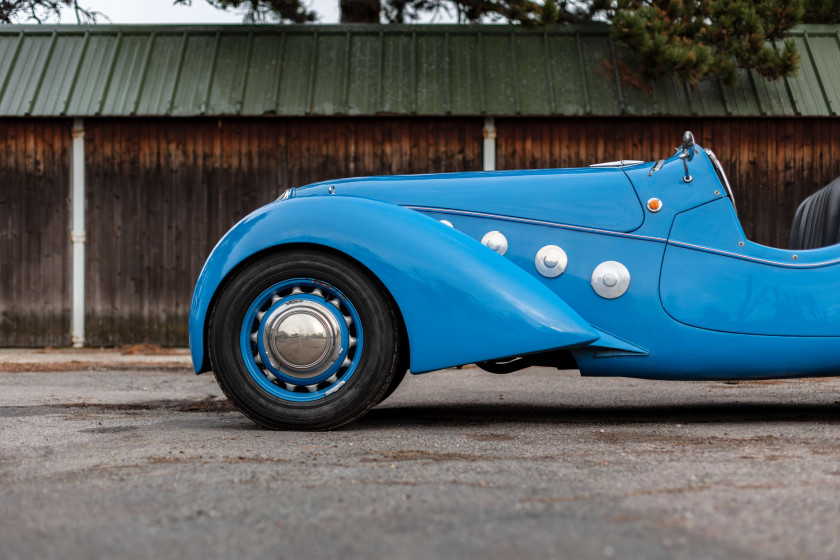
(274, 380)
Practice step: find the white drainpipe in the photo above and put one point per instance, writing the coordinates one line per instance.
(77, 233)
(489, 144)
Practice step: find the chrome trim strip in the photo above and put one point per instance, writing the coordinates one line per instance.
(534, 222)
(749, 258)
(619, 163)
(722, 176)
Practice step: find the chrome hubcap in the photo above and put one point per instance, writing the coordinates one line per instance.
(302, 338)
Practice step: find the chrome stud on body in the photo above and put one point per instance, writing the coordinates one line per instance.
(551, 261)
(495, 241)
(610, 279)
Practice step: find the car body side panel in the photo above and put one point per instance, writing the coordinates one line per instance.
(714, 279)
(655, 345)
(460, 301)
(682, 352)
(625, 317)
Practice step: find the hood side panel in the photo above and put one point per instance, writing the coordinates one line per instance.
(596, 198)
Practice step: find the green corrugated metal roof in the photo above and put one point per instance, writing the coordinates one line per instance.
(376, 70)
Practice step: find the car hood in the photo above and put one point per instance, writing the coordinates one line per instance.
(601, 198)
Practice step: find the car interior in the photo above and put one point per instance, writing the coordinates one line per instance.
(817, 220)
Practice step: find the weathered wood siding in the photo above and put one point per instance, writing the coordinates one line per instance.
(772, 164)
(34, 232)
(162, 192)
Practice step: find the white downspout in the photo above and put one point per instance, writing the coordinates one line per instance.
(77, 233)
(489, 144)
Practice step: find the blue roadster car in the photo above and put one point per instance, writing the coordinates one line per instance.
(311, 310)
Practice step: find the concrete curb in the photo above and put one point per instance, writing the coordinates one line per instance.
(71, 359)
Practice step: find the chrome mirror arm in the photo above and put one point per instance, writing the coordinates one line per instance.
(687, 178)
(688, 149)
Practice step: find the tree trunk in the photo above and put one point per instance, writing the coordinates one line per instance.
(360, 11)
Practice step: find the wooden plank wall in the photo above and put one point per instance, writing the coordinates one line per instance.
(162, 192)
(34, 232)
(772, 164)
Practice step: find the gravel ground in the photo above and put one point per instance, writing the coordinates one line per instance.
(153, 463)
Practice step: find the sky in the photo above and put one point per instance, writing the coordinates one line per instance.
(163, 11)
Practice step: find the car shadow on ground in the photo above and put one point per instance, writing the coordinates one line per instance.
(453, 415)
(408, 417)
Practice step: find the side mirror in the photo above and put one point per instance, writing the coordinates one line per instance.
(688, 146)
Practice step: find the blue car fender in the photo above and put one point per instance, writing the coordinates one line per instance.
(460, 301)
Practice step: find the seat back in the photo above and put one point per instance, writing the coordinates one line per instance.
(817, 220)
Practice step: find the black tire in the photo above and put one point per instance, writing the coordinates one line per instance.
(402, 366)
(399, 375)
(380, 353)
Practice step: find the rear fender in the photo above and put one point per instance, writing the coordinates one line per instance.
(460, 301)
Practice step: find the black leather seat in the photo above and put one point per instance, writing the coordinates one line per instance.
(817, 220)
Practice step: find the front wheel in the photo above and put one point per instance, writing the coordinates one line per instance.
(304, 339)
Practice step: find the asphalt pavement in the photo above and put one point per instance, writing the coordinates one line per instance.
(142, 459)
